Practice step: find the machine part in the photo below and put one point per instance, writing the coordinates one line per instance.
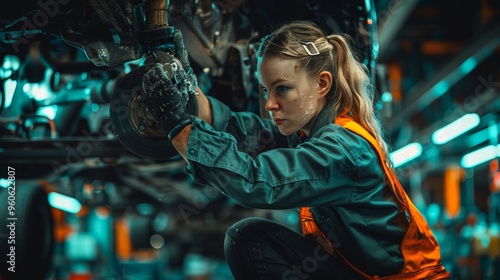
(158, 39)
(103, 53)
(131, 31)
(206, 36)
(133, 125)
(157, 35)
(31, 233)
(109, 41)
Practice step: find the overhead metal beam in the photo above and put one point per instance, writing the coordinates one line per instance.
(390, 21)
(437, 84)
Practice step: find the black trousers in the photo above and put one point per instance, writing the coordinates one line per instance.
(257, 248)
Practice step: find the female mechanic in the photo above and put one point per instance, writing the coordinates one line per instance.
(322, 152)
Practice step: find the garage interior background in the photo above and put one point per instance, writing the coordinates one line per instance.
(92, 206)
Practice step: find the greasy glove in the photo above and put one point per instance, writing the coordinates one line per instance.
(166, 88)
(182, 54)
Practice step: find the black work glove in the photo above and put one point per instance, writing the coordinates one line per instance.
(182, 54)
(166, 88)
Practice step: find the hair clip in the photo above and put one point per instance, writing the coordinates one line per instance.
(304, 45)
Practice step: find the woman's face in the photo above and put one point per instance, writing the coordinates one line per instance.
(293, 96)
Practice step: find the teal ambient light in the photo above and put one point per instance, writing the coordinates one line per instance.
(406, 154)
(479, 156)
(455, 128)
(63, 202)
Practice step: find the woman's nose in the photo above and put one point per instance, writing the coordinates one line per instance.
(271, 103)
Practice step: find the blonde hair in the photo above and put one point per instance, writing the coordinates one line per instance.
(351, 89)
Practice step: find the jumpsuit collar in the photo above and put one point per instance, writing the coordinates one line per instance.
(325, 116)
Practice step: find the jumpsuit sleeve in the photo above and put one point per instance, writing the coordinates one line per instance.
(253, 134)
(317, 172)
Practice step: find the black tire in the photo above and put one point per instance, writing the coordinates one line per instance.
(34, 233)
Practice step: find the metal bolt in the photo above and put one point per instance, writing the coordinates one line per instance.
(142, 127)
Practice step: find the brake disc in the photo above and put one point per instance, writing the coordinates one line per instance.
(132, 123)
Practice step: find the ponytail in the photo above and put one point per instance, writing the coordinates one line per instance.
(353, 92)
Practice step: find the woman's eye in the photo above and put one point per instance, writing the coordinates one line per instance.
(281, 89)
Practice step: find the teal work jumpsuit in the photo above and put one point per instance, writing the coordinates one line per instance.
(333, 171)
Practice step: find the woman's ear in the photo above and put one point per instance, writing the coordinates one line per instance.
(324, 83)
